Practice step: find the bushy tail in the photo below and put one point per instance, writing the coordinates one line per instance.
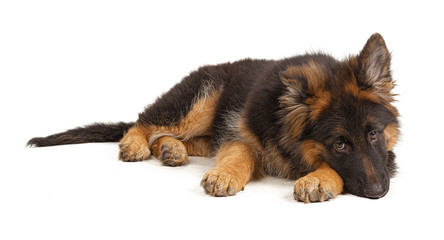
(96, 132)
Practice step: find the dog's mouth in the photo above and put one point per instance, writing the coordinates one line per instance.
(374, 190)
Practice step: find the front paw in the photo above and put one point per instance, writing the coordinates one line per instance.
(313, 189)
(220, 183)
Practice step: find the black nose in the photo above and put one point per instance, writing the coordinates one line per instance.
(375, 190)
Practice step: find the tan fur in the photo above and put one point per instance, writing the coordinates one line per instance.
(198, 122)
(353, 89)
(134, 145)
(320, 185)
(376, 63)
(318, 103)
(391, 133)
(316, 77)
(312, 71)
(296, 113)
(170, 151)
(372, 95)
(199, 146)
(234, 169)
(311, 151)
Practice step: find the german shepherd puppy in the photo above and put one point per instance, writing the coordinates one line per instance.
(329, 124)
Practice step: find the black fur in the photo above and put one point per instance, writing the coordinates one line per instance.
(172, 106)
(97, 132)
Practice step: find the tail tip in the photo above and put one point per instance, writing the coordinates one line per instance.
(35, 142)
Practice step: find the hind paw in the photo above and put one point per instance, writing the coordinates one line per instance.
(170, 151)
(133, 148)
(132, 153)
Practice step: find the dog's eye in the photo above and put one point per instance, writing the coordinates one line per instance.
(340, 146)
(373, 136)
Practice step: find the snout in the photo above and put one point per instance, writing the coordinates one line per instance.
(376, 190)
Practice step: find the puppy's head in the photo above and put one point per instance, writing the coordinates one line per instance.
(346, 109)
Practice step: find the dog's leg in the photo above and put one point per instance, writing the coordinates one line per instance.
(320, 185)
(199, 146)
(234, 168)
(172, 116)
(173, 152)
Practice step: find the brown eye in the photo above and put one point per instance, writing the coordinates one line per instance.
(373, 136)
(339, 146)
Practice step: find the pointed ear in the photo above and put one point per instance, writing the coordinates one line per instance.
(294, 80)
(374, 64)
(304, 80)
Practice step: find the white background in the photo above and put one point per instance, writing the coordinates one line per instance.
(69, 63)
